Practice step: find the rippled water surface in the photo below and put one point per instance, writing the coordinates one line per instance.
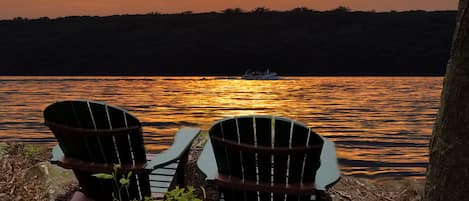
(381, 125)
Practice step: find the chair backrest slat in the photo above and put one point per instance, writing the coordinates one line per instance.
(230, 133)
(247, 136)
(113, 137)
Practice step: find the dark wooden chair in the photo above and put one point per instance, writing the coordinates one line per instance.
(264, 158)
(94, 136)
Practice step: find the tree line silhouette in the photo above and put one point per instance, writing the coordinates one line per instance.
(301, 41)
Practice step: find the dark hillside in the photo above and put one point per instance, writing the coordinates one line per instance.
(295, 42)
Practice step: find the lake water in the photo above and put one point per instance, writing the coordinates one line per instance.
(381, 125)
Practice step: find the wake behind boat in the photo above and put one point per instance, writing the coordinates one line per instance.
(260, 75)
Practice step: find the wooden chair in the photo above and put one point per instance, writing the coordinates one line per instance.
(94, 136)
(264, 158)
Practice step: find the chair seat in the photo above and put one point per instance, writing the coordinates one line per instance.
(161, 179)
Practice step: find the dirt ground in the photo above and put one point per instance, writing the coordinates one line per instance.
(17, 158)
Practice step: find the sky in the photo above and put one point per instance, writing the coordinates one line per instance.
(59, 8)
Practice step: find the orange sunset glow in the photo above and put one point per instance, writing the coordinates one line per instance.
(56, 8)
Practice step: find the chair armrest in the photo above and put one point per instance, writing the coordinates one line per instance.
(182, 142)
(206, 163)
(328, 173)
(57, 154)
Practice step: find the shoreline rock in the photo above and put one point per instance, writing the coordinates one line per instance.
(55, 180)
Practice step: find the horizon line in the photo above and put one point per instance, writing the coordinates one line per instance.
(242, 11)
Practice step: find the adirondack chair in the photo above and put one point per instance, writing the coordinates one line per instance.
(94, 136)
(260, 158)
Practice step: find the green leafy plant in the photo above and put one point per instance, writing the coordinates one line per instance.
(120, 183)
(181, 194)
(177, 194)
(31, 150)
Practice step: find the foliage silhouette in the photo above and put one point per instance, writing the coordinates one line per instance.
(296, 42)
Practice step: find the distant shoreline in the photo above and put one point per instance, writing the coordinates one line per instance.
(230, 11)
(299, 42)
(210, 75)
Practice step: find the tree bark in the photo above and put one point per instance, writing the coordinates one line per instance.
(448, 171)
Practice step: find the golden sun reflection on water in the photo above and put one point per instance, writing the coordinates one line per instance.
(381, 125)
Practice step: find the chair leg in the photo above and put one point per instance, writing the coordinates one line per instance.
(157, 195)
(179, 177)
(323, 196)
(79, 196)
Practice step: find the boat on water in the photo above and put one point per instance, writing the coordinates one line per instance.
(260, 75)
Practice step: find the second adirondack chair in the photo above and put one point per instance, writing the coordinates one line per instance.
(267, 158)
(94, 136)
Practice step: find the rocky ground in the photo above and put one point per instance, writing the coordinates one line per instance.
(14, 160)
(26, 175)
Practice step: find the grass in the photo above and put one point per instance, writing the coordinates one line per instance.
(3, 149)
(31, 150)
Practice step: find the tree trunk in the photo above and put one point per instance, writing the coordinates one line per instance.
(448, 171)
